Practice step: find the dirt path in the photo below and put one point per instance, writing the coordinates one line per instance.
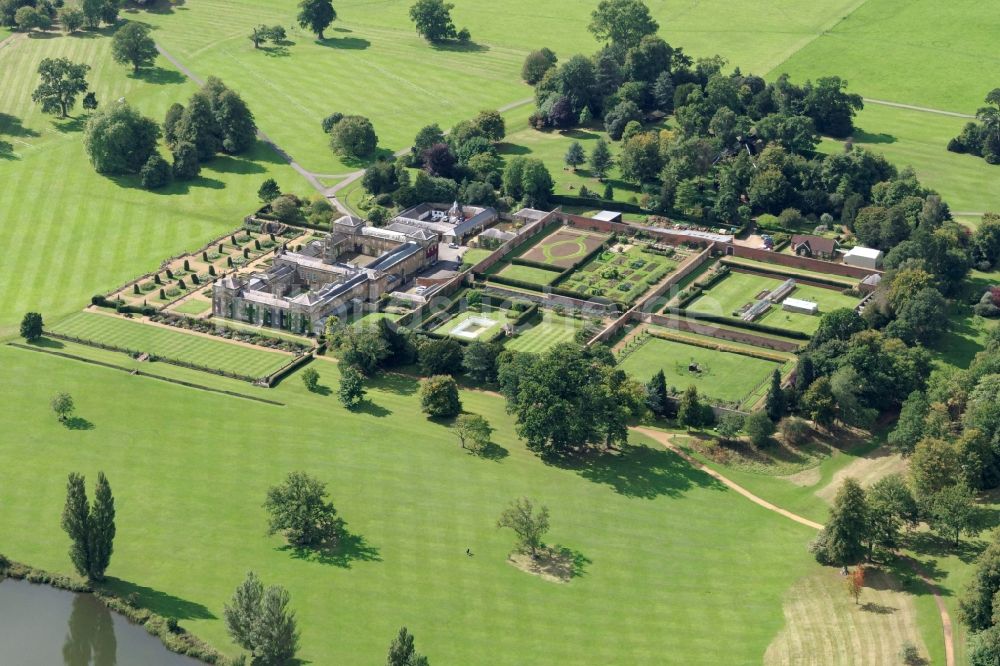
(923, 109)
(665, 439)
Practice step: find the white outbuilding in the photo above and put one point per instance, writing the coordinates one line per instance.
(864, 257)
(800, 306)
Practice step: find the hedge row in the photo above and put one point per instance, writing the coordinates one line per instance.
(694, 342)
(738, 323)
(103, 302)
(841, 283)
(174, 637)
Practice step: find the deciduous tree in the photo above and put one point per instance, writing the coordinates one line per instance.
(31, 326)
(316, 16)
(259, 621)
(132, 45)
(622, 22)
(352, 387)
(62, 82)
(62, 405)
(298, 508)
(529, 525)
(119, 140)
(439, 396)
(474, 430)
(432, 19)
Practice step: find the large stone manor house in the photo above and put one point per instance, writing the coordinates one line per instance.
(336, 275)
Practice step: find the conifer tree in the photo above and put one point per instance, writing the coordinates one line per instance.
(76, 523)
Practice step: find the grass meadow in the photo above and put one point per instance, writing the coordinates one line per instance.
(918, 139)
(68, 232)
(662, 549)
(725, 376)
(922, 52)
(172, 344)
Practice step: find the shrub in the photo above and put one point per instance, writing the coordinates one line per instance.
(155, 173)
(439, 396)
(794, 431)
(759, 428)
(163, 295)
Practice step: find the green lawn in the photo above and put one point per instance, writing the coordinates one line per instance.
(67, 232)
(547, 330)
(193, 307)
(736, 289)
(172, 344)
(532, 274)
(659, 574)
(922, 52)
(551, 146)
(386, 72)
(725, 376)
(919, 139)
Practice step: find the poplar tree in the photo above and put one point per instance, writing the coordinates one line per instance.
(76, 523)
(102, 528)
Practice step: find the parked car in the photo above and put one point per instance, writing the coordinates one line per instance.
(453, 246)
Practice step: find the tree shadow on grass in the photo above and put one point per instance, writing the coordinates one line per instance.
(577, 560)
(175, 187)
(233, 164)
(78, 423)
(505, 148)
(322, 389)
(347, 43)
(350, 548)
(366, 406)
(70, 124)
(159, 602)
(460, 47)
(637, 471)
(579, 134)
(94, 33)
(47, 343)
(276, 51)
(159, 75)
(7, 151)
(490, 451)
(879, 609)
(861, 136)
(11, 126)
(396, 383)
(933, 545)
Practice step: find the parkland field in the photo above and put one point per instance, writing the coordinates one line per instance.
(190, 523)
(662, 548)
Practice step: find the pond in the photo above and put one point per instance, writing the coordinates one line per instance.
(43, 626)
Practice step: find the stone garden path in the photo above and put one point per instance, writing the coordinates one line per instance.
(665, 439)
